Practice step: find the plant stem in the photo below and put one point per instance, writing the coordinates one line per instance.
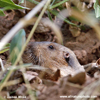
(33, 1)
(56, 5)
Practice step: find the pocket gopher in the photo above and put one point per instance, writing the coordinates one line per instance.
(53, 56)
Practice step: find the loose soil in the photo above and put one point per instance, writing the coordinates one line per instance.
(86, 47)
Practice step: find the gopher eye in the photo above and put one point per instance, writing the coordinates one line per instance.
(50, 47)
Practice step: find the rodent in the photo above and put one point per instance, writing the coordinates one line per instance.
(53, 56)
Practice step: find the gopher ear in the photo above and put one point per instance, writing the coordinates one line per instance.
(66, 56)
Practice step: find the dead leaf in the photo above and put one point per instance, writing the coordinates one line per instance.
(56, 76)
(75, 30)
(45, 73)
(98, 63)
(78, 78)
(32, 77)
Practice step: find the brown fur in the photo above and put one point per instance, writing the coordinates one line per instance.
(40, 53)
